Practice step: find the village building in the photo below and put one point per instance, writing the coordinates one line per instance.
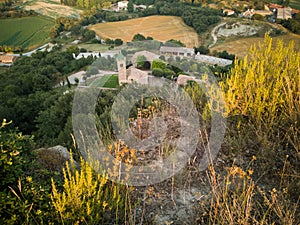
(86, 55)
(150, 57)
(213, 60)
(263, 12)
(284, 13)
(7, 59)
(295, 11)
(247, 14)
(140, 7)
(274, 7)
(177, 51)
(228, 12)
(122, 6)
(131, 74)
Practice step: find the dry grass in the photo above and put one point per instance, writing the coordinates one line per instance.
(161, 28)
(241, 46)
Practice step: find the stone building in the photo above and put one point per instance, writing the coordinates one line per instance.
(131, 74)
(177, 51)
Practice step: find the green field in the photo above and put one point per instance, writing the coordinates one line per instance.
(112, 82)
(25, 32)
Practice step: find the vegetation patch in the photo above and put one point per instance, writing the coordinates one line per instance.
(162, 28)
(25, 32)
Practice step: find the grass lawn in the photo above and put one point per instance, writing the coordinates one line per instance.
(112, 82)
(94, 47)
(25, 32)
(161, 28)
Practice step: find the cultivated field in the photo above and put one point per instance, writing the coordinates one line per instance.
(241, 46)
(51, 8)
(161, 28)
(25, 32)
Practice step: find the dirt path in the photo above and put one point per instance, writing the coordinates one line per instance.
(214, 36)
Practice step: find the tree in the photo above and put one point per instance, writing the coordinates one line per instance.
(109, 41)
(202, 50)
(76, 29)
(130, 7)
(173, 42)
(118, 42)
(138, 37)
(141, 60)
(88, 35)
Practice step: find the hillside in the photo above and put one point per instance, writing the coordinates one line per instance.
(161, 28)
(51, 8)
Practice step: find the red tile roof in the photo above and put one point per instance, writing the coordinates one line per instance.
(275, 6)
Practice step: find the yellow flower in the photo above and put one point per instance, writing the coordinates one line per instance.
(104, 204)
(250, 171)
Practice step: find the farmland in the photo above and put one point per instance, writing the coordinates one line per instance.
(25, 32)
(161, 28)
(51, 8)
(240, 46)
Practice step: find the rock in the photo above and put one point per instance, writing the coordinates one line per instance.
(54, 158)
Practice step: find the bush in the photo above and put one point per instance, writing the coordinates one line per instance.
(88, 197)
(13, 146)
(158, 72)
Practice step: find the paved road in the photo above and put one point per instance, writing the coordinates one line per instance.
(41, 48)
(214, 36)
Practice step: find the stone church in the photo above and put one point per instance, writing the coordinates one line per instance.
(133, 74)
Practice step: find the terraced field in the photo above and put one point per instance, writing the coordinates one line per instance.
(27, 32)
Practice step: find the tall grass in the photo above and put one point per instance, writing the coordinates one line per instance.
(88, 198)
(264, 88)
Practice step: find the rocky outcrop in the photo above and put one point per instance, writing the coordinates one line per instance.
(54, 158)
